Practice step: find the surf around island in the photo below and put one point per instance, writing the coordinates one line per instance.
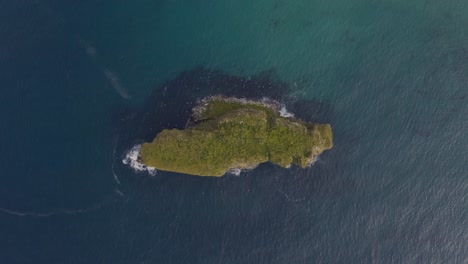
(227, 134)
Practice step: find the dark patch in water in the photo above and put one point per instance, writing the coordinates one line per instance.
(170, 105)
(274, 23)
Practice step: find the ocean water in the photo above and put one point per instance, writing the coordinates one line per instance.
(82, 82)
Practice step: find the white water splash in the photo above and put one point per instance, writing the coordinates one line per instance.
(284, 112)
(313, 161)
(131, 159)
(235, 172)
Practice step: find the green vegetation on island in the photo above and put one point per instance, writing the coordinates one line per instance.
(231, 133)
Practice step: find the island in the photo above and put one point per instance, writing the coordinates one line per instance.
(231, 134)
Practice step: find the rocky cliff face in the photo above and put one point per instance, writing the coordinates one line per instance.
(232, 133)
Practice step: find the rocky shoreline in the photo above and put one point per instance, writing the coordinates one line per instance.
(264, 102)
(230, 135)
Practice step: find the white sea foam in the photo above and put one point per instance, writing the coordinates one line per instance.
(313, 161)
(131, 159)
(284, 112)
(236, 172)
(116, 84)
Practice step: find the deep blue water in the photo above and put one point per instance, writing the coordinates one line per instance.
(81, 82)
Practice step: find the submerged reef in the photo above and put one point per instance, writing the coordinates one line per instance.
(227, 133)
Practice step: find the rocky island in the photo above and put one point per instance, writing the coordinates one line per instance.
(226, 133)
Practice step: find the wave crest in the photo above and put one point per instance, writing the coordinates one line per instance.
(284, 112)
(131, 159)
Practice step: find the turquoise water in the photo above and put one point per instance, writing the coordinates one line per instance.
(78, 79)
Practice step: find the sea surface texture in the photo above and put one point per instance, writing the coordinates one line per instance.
(83, 82)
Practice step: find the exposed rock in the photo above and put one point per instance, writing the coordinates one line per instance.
(229, 133)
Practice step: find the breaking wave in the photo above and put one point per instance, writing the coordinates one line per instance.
(284, 112)
(235, 172)
(131, 159)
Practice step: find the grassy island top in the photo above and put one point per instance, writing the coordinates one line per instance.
(232, 133)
